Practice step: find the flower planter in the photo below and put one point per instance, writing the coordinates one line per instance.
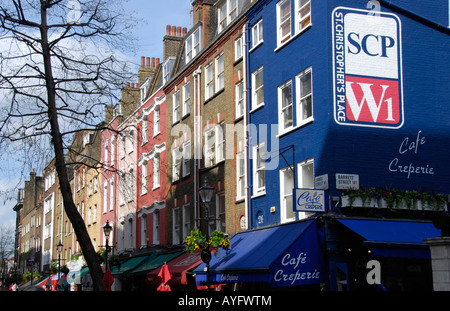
(358, 202)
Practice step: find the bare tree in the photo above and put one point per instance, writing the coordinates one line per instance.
(59, 66)
(6, 246)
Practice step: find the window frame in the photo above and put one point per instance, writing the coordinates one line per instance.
(176, 115)
(301, 120)
(255, 91)
(300, 180)
(209, 81)
(220, 72)
(257, 34)
(283, 108)
(286, 193)
(281, 23)
(258, 169)
(186, 99)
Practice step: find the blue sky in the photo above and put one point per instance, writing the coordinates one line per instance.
(155, 14)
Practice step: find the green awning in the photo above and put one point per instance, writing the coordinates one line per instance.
(128, 265)
(152, 262)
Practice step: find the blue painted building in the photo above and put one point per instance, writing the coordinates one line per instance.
(347, 101)
(346, 94)
(351, 97)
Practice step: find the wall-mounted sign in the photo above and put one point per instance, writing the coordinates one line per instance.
(367, 68)
(309, 200)
(347, 181)
(321, 182)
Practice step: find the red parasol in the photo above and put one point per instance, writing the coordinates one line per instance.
(108, 280)
(165, 276)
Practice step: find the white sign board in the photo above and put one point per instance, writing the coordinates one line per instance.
(347, 181)
(309, 200)
(321, 182)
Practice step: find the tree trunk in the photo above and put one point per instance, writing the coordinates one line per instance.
(66, 191)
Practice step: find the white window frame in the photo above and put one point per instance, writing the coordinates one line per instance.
(255, 90)
(220, 72)
(193, 44)
(286, 195)
(259, 168)
(122, 187)
(240, 99)
(302, 98)
(144, 130)
(130, 141)
(186, 220)
(112, 197)
(176, 107)
(186, 169)
(105, 197)
(302, 182)
(130, 182)
(299, 19)
(156, 121)
(144, 174)
(227, 12)
(176, 226)
(209, 80)
(156, 224)
(156, 172)
(284, 21)
(176, 162)
(209, 147)
(283, 108)
(219, 141)
(143, 230)
(257, 34)
(186, 98)
(112, 152)
(240, 175)
(238, 48)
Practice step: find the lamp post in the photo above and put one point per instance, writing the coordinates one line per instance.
(106, 231)
(59, 248)
(206, 192)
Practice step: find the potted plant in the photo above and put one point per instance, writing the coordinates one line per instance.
(196, 240)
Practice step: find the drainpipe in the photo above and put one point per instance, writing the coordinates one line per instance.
(247, 212)
(197, 141)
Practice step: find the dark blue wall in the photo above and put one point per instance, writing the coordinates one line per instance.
(366, 151)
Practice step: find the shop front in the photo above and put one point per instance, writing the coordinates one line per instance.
(379, 254)
(279, 256)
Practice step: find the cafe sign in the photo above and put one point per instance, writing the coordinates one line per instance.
(309, 200)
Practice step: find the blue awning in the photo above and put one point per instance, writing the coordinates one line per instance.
(284, 255)
(394, 238)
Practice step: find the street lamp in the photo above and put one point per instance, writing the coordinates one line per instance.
(107, 231)
(59, 248)
(206, 192)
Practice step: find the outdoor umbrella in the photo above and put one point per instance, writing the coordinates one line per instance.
(108, 280)
(165, 276)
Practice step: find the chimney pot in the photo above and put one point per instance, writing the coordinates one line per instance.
(174, 30)
(132, 85)
(168, 30)
(148, 62)
(137, 85)
(128, 84)
(184, 31)
(142, 61)
(179, 31)
(157, 62)
(153, 62)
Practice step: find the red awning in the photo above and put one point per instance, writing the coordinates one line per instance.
(178, 268)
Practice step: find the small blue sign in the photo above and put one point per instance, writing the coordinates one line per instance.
(310, 200)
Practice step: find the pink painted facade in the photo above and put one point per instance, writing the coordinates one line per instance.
(127, 181)
(108, 183)
(151, 172)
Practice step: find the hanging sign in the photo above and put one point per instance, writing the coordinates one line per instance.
(309, 200)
